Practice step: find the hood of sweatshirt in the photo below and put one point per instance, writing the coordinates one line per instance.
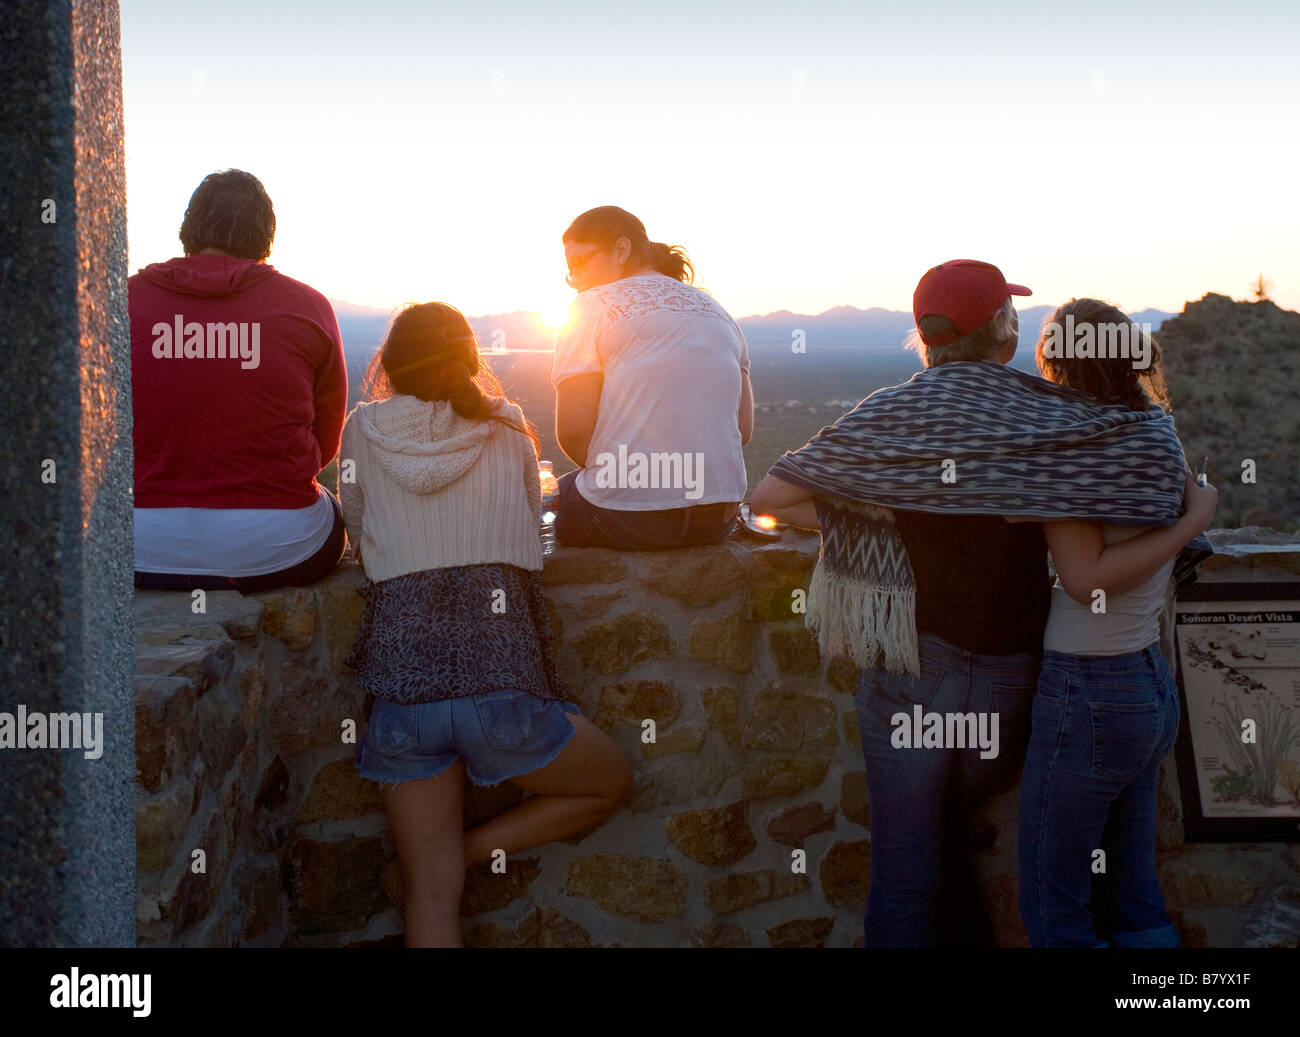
(207, 276)
(423, 445)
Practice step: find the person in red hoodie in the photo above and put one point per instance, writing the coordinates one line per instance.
(240, 390)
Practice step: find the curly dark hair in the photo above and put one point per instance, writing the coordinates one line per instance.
(231, 211)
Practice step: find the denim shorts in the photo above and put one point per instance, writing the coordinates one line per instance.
(499, 734)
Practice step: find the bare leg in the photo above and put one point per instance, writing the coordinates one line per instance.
(426, 818)
(579, 788)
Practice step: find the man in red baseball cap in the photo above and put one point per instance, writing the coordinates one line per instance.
(967, 292)
(981, 603)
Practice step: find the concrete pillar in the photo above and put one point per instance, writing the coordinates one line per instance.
(67, 822)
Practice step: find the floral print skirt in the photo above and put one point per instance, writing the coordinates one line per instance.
(464, 630)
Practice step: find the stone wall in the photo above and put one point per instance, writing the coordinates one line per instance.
(241, 710)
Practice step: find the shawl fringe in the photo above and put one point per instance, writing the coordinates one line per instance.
(864, 621)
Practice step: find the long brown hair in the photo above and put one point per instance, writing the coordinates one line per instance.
(605, 224)
(1105, 379)
(431, 353)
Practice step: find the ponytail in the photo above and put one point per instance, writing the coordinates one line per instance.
(671, 260)
(430, 352)
(468, 399)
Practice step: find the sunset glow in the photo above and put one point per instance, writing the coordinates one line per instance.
(806, 157)
(554, 315)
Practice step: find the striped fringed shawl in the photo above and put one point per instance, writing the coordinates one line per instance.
(976, 439)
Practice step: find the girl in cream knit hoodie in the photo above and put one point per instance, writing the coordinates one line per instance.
(440, 493)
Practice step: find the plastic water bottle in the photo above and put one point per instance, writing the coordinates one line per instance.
(550, 484)
(550, 487)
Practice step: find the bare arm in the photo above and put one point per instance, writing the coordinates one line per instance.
(785, 501)
(577, 402)
(1085, 563)
(745, 416)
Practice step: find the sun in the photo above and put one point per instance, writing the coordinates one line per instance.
(554, 313)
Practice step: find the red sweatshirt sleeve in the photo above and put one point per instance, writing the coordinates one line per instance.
(330, 392)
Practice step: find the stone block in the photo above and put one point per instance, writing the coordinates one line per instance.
(776, 573)
(716, 836)
(633, 887)
(160, 824)
(788, 776)
(720, 934)
(290, 616)
(617, 645)
(722, 707)
(199, 891)
(793, 826)
(221, 735)
(310, 710)
(166, 738)
(339, 792)
(486, 890)
(845, 873)
(203, 663)
(801, 932)
(724, 642)
(334, 887)
(794, 648)
(785, 718)
(740, 890)
(231, 612)
(631, 702)
(577, 565)
(543, 927)
(696, 576)
(594, 606)
(1205, 880)
(678, 781)
(339, 607)
(684, 738)
(265, 898)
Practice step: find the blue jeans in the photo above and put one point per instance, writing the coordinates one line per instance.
(579, 523)
(499, 734)
(1101, 726)
(922, 798)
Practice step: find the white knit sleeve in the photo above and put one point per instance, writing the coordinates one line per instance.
(532, 475)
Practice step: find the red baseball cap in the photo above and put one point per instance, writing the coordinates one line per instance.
(965, 291)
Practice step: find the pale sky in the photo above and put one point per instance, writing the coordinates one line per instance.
(808, 155)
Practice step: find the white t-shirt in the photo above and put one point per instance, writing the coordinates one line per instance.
(666, 435)
(229, 541)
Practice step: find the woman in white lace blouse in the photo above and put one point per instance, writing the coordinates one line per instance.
(653, 398)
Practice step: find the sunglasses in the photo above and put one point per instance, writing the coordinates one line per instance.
(576, 263)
